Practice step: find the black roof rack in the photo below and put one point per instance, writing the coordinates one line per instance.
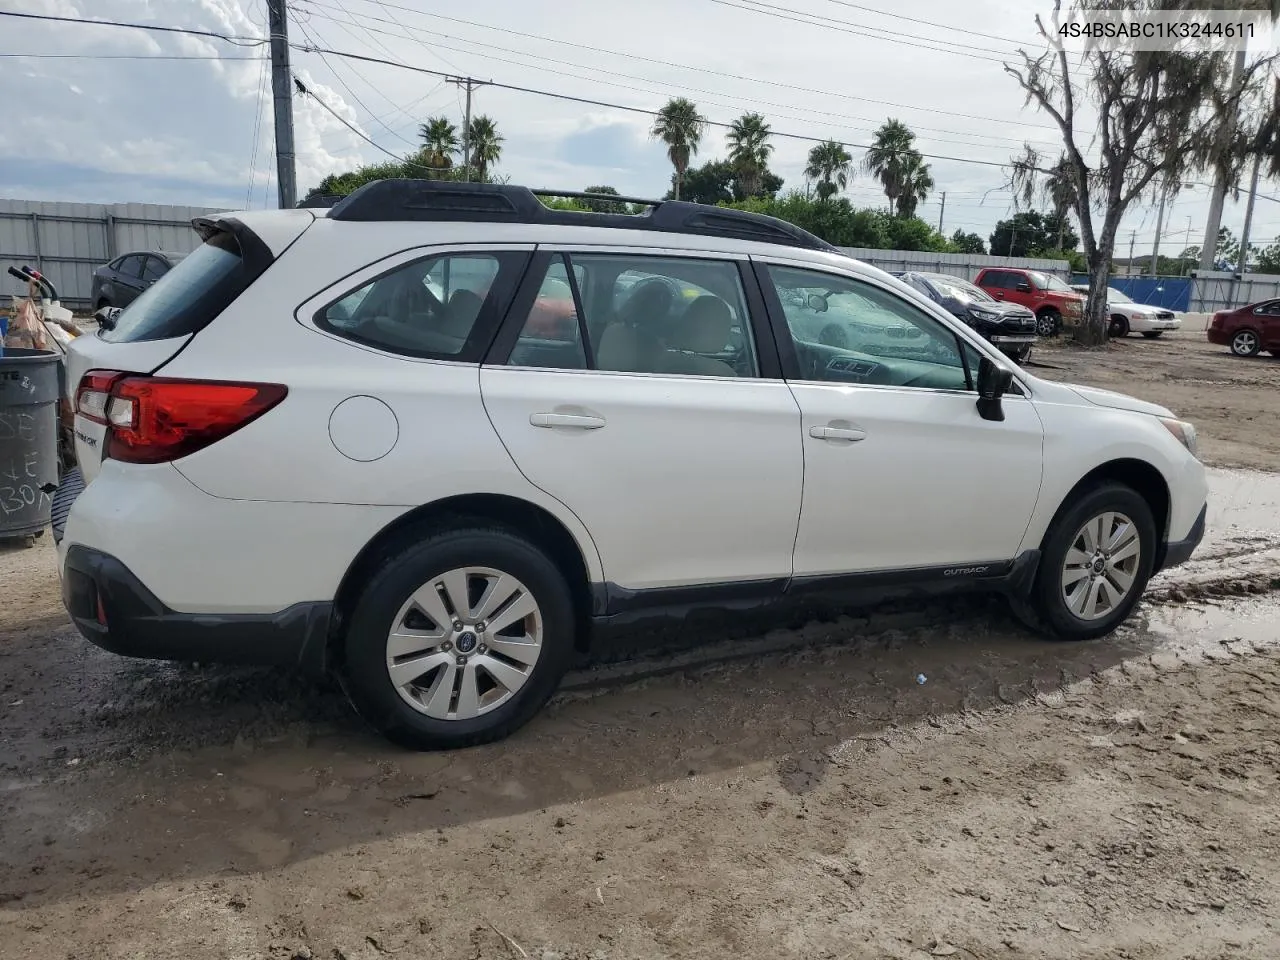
(447, 201)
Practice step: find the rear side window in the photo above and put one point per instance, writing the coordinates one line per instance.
(443, 307)
(189, 296)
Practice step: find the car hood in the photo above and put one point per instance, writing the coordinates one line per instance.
(1141, 309)
(1002, 309)
(1118, 401)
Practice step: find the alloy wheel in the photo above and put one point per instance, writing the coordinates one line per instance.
(1244, 343)
(1101, 566)
(1045, 325)
(464, 643)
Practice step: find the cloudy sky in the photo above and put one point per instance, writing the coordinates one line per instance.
(111, 115)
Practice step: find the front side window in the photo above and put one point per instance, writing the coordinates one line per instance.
(155, 269)
(640, 314)
(426, 308)
(847, 331)
(130, 266)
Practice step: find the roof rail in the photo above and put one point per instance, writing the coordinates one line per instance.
(448, 201)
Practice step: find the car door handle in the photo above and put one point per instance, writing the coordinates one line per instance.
(578, 420)
(837, 433)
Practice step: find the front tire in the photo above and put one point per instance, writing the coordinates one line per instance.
(1246, 343)
(1048, 322)
(1119, 326)
(1095, 563)
(458, 639)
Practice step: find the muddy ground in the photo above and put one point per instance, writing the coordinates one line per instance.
(789, 793)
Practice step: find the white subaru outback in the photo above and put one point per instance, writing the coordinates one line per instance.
(438, 437)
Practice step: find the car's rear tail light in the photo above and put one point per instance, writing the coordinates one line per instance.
(156, 419)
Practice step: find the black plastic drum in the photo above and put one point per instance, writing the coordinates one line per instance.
(28, 440)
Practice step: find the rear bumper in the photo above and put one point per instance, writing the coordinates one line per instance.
(1179, 551)
(113, 609)
(1220, 337)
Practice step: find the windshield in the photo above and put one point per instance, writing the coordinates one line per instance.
(1044, 281)
(1116, 296)
(961, 290)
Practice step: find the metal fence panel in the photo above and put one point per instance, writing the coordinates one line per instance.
(963, 265)
(1221, 290)
(1172, 293)
(68, 241)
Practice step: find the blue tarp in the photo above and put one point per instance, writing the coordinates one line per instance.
(1173, 293)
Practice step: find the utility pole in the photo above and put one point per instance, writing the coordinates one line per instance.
(1248, 218)
(282, 97)
(1133, 235)
(468, 84)
(942, 211)
(1186, 242)
(1155, 247)
(1210, 249)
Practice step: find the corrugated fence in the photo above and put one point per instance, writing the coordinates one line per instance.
(67, 241)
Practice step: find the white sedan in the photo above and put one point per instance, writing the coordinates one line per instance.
(1128, 316)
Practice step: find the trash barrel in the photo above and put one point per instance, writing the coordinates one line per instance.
(28, 440)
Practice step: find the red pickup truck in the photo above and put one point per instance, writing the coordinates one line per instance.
(1049, 298)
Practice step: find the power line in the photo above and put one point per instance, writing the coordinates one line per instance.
(120, 56)
(257, 125)
(824, 115)
(929, 23)
(845, 26)
(229, 38)
(679, 66)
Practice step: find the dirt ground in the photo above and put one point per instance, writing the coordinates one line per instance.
(793, 793)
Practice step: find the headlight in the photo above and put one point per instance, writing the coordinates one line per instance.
(1185, 433)
(983, 314)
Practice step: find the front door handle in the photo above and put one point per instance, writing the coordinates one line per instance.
(578, 420)
(837, 433)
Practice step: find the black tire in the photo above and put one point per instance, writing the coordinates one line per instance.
(1020, 356)
(1118, 327)
(1048, 322)
(834, 335)
(1046, 608)
(1153, 334)
(364, 673)
(1246, 342)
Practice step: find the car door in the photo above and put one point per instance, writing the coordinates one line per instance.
(901, 473)
(658, 417)
(1268, 318)
(126, 281)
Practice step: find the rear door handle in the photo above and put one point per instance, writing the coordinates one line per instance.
(837, 433)
(578, 420)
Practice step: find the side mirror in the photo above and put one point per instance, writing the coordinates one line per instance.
(817, 303)
(993, 383)
(1023, 287)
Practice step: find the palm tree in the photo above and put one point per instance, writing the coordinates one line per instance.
(680, 127)
(485, 144)
(830, 165)
(886, 156)
(440, 139)
(915, 184)
(749, 151)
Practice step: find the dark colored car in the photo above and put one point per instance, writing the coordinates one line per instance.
(118, 283)
(1009, 327)
(1248, 330)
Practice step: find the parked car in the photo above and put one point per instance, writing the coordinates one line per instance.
(120, 282)
(1011, 327)
(1248, 330)
(420, 494)
(1129, 316)
(1050, 299)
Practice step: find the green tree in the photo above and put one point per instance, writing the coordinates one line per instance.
(889, 156)
(963, 242)
(716, 182)
(917, 181)
(680, 127)
(485, 144)
(831, 167)
(1226, 251)
(749, 151)
(1024, 233)
(440, 138)
(837, 221)
(604, 206)
(1269, 259)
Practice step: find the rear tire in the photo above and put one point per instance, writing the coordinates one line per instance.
(480, 681)
(1119, 326)
(1153, 334)
(1075, 600)
(1246, 343)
